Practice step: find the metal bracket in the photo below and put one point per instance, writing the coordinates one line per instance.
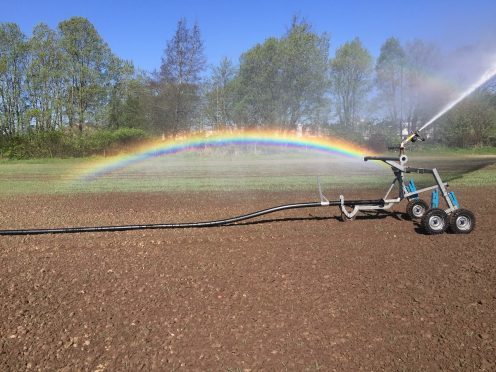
(351, 214)
(323, 199)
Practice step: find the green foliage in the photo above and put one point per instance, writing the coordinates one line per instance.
(283, 81)
(91, 68)
(375, 136)
(389, 75)
(13, 61)
(59, 81)
(57, 143)
(178, 84)
(45, 79)
(258, 84)
(351, 72)
(305, 58)
(56, 78)
(33, 144)
(125, 136)
(128, 104)
(472, 123)
(221, 95)
(380, 136)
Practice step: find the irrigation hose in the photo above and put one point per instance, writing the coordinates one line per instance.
(213, 223)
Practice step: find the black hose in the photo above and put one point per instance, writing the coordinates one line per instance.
(227, 221)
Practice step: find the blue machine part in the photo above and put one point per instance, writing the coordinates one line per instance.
(454, 200)
(412, 188)
(435, 199)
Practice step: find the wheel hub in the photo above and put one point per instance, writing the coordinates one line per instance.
(436, 223)
(418, 211)
(463, 223)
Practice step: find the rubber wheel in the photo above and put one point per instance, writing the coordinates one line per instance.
(462, 221)
(416, 208)
(435, 221)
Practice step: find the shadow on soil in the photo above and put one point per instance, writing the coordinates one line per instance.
(367, 215)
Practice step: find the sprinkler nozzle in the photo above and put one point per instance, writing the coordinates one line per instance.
(416, 137)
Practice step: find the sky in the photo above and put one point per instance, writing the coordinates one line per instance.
(139, 30)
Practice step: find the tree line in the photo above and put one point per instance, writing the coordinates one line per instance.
(68, 80)
(56, 78)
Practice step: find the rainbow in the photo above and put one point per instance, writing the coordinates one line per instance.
(202, 140)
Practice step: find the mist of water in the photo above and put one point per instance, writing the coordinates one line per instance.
(488, 75)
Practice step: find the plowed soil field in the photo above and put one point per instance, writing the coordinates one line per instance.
(298, 290)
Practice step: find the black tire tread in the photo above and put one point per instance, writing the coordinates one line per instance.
(411, 204)
(425, 221)
(452, 221)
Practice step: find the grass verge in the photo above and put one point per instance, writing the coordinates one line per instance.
(206, 172)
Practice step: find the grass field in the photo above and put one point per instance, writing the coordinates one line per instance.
(198, 171)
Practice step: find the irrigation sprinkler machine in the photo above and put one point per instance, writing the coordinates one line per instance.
(433, 219)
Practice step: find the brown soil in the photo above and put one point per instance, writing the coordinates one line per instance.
(301, 292)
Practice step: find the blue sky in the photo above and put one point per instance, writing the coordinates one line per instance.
(139, 30)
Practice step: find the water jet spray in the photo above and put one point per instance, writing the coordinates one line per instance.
(488, 75)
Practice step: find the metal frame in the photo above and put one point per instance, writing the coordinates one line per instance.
(399, 168)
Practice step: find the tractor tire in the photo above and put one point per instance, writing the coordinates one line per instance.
(416, 208)
(435, 221)
(462, 221)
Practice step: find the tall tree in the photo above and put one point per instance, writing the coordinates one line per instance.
(45, 78)
(351, 71)
(305, 58)
(129, 104)
(283, 81)
(13, 61)
(420, 97)
(89, 61)
(390, 79)
(258, 86)
(221, 94)
(180, 75)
